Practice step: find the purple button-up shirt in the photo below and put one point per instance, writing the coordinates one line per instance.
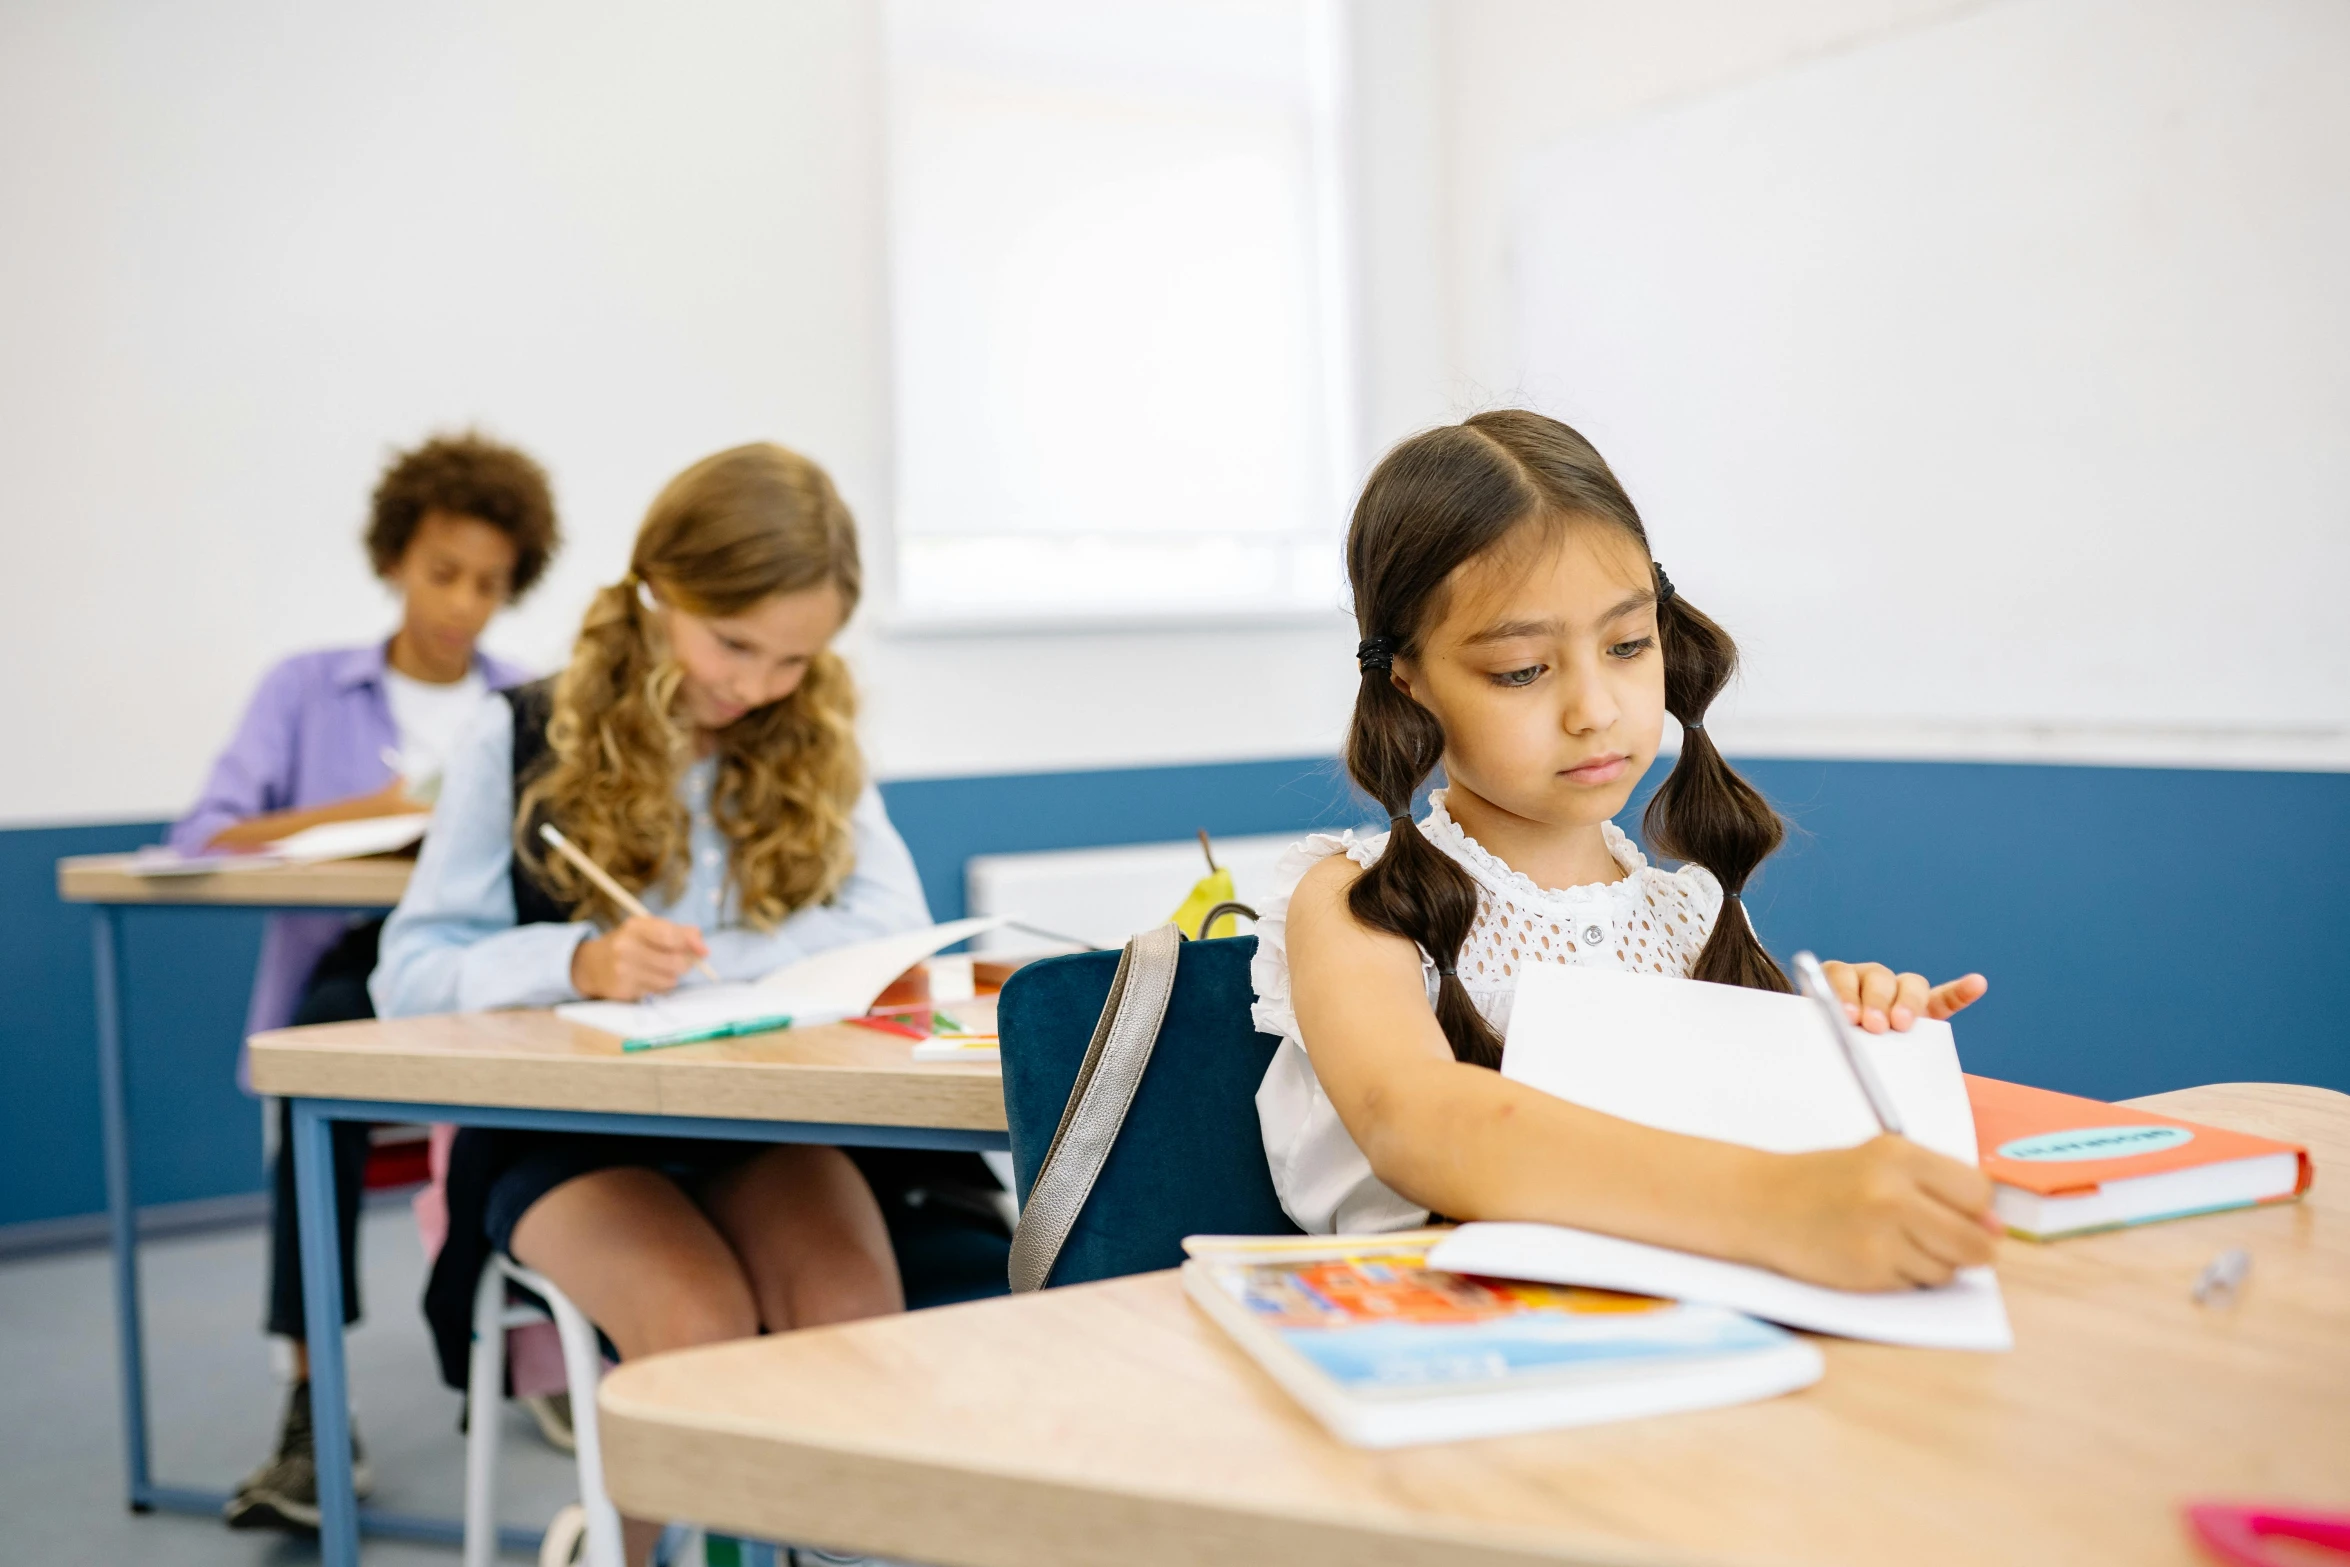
(315, 732)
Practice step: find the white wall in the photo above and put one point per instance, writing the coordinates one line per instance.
(252, 246)
(1521, 75)
(1982, 366)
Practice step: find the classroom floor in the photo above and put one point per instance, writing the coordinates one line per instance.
(215, 1403)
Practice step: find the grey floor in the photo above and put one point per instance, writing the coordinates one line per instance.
(214, 1404)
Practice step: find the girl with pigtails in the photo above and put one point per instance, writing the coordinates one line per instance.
(1518, 635)
(701, 748)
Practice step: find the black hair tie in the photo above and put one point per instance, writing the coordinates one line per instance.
(1404, 817)
(1446, 973)
(1664, 585)
(1376, 653)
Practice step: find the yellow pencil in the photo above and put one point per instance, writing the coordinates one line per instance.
(610, 888)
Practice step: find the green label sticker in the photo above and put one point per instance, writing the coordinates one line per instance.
(2095, 1142)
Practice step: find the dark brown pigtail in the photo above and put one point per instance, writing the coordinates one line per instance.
(1704, 812)
(1415, 889)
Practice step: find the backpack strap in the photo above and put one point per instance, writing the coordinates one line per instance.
(1098, 1102)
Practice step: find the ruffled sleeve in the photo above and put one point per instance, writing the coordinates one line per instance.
(1325, 1183)
(1268, 972)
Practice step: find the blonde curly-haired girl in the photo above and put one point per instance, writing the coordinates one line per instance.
(701, 748)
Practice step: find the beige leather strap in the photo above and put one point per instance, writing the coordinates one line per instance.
(1114, 1062)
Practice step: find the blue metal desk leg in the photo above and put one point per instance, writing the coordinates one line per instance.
(122, 1217)
(322, 1311)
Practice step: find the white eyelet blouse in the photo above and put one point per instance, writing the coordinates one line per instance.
(1650, 921)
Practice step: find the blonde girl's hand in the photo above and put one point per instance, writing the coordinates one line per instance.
(642, 956)
(1877, 998)
(1885, 1215)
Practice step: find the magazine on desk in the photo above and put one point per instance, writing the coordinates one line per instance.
(1386, 1351)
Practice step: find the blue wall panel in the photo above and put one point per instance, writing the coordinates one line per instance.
(2143, 929)
(187, 976)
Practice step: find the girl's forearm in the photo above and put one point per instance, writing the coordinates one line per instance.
(1471, 1144)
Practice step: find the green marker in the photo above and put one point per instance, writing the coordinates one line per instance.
(755, 1025)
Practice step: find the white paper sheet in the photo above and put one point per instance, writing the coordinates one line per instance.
(155, 861)
(1740, 1066)
(842, 982)
(848, 980)
(694, 1009)
(351, 840)
(1967, 1313)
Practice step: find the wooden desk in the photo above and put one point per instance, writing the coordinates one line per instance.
(843, 1074)
(842, 1085)
(1113, 1423)
(374, 883)
(105, 882)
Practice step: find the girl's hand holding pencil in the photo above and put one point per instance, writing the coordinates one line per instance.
(1886, 1214)
(643, 956)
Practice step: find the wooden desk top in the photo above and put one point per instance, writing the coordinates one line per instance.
(1113, 1423)
(839, 1073)
(374, 883)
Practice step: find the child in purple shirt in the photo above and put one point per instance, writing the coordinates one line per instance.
(460, 527)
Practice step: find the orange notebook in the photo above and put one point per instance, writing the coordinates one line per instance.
(2067, 1166)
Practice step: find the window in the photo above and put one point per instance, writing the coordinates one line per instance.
(1120, 308)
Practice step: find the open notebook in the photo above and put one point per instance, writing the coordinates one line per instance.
(842, 982)
(1739, 1066)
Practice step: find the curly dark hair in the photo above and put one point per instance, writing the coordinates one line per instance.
(466, 475)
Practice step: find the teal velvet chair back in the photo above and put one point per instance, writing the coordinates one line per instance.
(1189, 1160)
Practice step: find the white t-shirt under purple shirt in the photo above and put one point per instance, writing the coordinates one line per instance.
(430, 718)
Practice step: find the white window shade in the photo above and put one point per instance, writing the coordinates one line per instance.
(1119, 339)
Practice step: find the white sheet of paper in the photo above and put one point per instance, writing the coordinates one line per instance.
(351, 840)
(156, 860)
(1720, 1061)
(1966, 1313)
(690, 1010)
(841, 982)
(848, 980)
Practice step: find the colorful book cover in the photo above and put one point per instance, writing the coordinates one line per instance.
(1385, 1322)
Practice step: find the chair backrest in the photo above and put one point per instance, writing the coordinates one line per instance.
(1189, 1160)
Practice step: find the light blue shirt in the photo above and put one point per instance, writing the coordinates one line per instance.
(452, 944)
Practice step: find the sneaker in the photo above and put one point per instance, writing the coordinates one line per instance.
(551, 1413)
(283, 1493)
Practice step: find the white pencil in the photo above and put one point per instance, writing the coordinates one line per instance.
(610, 888)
